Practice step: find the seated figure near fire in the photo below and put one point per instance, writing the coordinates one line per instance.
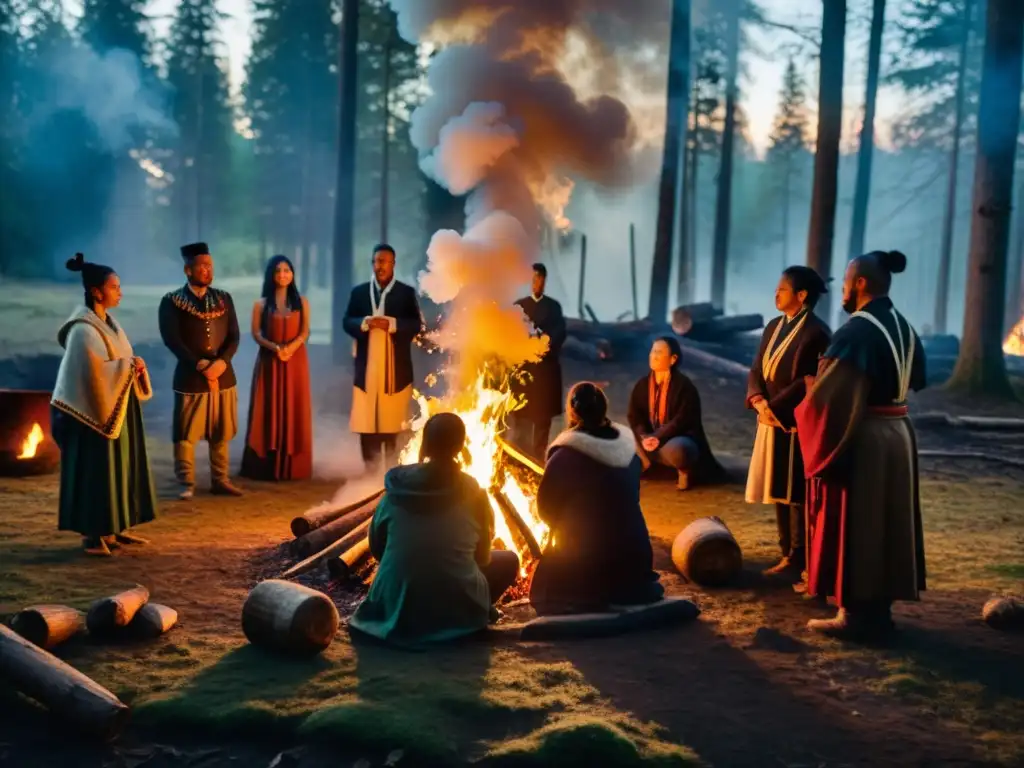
(665, 416)
(105, 482)
(590, 498)
(432, 534)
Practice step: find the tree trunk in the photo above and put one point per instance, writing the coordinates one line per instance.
(684, 266)
(345, 189)
(866, 150)
(385, 147)
(980, 367)
(821, 231)
(675, 132)
(946, 248)
(723, 209)
(690, 199)
(1015, 269)
(787, 203)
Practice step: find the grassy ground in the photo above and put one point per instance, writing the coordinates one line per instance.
(744, 685)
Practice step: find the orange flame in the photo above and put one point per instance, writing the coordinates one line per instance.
(31, 443)
(1014, 344)
(483, 411)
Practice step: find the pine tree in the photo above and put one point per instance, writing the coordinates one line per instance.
(200, 155)
(14, 236)
(788, 153)
(109, 24)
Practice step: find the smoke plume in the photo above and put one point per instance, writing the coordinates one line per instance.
(506, 124)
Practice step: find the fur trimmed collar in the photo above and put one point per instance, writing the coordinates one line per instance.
(617, 452)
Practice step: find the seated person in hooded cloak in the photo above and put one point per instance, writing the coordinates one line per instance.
(590, 499)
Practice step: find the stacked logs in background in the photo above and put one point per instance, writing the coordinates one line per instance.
(28, 666)
(335, 534)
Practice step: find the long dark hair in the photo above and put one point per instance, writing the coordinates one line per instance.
(673, 348)
(444, 440)
(293, 299)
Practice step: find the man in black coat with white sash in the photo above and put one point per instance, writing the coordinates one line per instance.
(383, 316)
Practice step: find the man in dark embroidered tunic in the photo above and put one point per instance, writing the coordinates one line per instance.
(383, 316)
(865, 539)
(199, 325)
(540, 383)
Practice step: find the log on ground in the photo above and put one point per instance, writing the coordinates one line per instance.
(719, 328)
(1004, 613)
(62, 689)
(706, 553)
(109, 614)
(289, 618)
(348, 563)
(319, 538)
(48, 625)
(333, 550)
(321, 515)
(152, 620)
(670, 611)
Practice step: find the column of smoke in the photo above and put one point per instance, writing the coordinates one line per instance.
(504, 124)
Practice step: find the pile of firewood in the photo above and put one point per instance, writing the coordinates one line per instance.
(335, 534)
(28, 666)
(596, 341)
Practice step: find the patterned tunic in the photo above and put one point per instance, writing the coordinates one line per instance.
(195, 329)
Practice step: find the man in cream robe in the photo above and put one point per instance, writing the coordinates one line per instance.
(383, 316)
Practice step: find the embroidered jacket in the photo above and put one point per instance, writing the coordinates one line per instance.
(197, 329)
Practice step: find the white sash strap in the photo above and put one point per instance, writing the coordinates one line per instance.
(770, 361)
(904, 357)
(378, 311)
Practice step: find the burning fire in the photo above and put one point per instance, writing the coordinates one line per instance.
(1014, 344)
(31, 443)
(483, 411)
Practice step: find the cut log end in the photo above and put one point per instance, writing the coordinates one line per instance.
(153, 620)
(48, 625)
(348, 564)
(117, 611)
(706, 553)
(1004, 613)
(289, 618)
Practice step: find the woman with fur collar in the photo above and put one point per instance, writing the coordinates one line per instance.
(105, 482)
(590, 498)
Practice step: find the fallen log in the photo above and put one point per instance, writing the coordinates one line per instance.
(714, 362)
(62, 689)
(519, 457)
(289, 618)
(978, 455)
(978, 423)
(109, 614)
(333, 550)
(152, 620)
(323, 514)
(718, 328)
(513, 516)
(48, 625)
(1004, 613)
(706, 553)
(319, 538)
(593, 350)
(347, 564)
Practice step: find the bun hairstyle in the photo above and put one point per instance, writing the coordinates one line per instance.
(877, 269)
(587, 407)
(806, 279)
(93, 275)
(892, 262)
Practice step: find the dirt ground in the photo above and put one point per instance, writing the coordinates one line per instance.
(744, 685)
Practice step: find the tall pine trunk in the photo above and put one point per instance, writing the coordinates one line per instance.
(675, 130)
(1015, 268)
(821, 232)
(981, 368)
(787, 204)
(946, 246)
(866, 150)
(385, 147)
(684, 264)
(345, 189)
(723, 208)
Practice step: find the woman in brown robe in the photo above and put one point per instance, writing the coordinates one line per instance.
(789, 351)
(279, 438)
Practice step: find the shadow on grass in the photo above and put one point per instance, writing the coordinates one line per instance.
(239, 695)
(17, 555)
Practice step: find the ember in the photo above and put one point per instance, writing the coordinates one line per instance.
(31, 444)
(1014, 344)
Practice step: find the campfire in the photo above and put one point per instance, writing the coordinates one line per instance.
(1014, 344)
(26, 447)
(512, 496)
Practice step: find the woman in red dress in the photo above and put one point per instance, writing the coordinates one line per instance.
(279, 438)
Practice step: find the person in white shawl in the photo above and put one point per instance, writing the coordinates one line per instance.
(106, 486)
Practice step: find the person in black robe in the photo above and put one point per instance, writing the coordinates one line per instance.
(790, 347)
(540, 383)
(199, 325)
(383, 316)
(590, 498)
(665, 416)
(865, 534)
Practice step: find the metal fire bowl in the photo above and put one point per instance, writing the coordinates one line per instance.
(19, 410)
